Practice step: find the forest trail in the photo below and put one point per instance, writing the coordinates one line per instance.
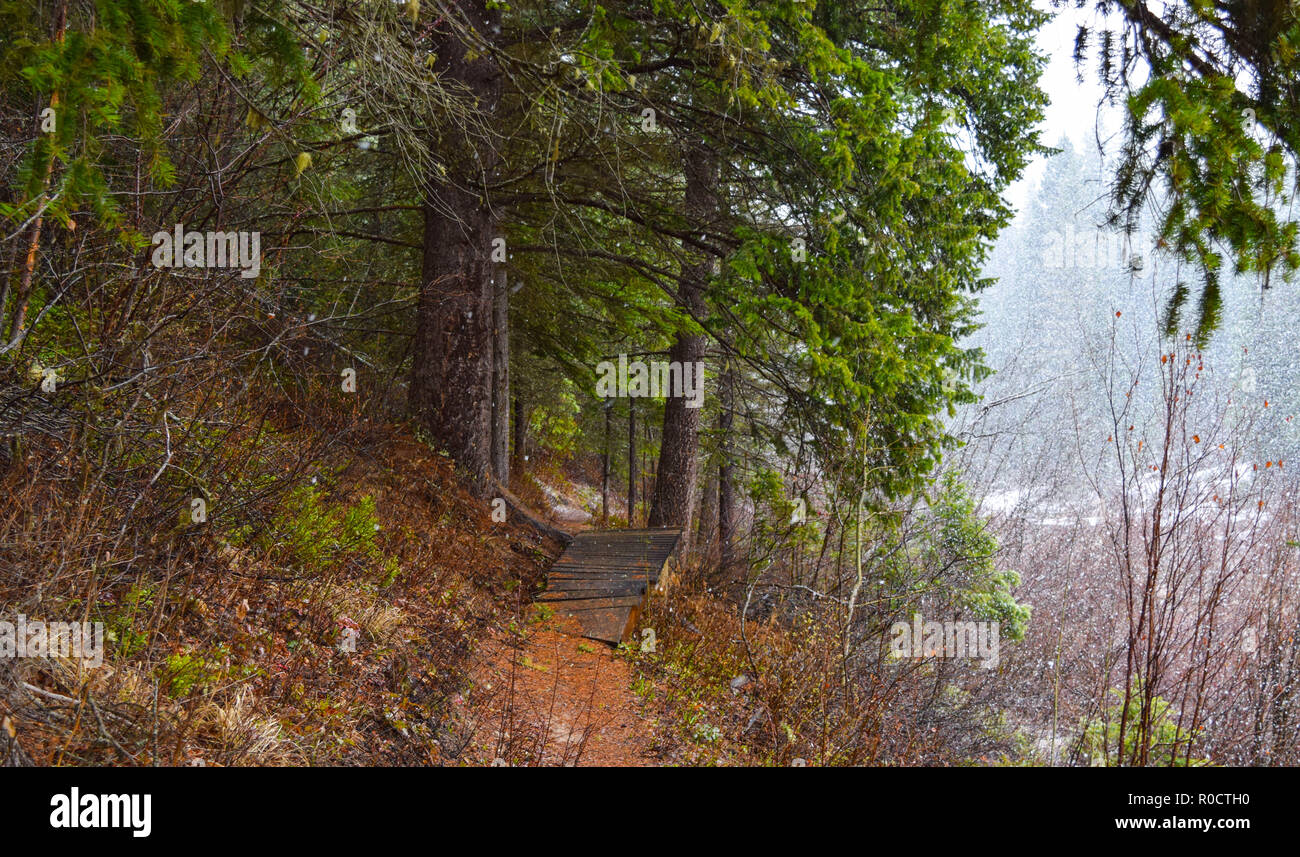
(555, 699)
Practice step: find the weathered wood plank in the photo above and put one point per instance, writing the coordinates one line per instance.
(568, 594)
(603, 577)
(580, 605)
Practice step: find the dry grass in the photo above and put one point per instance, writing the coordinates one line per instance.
(233, 657)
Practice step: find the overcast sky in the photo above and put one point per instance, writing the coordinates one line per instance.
(1073, 111)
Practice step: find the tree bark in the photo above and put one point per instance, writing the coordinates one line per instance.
(707, 534)
(726, 473)
(606, 463)
(451, 379)
(521, 434)
(631, 463)
(501, 380)
(678, 470)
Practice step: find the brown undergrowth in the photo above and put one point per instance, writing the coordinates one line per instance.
(228, 645)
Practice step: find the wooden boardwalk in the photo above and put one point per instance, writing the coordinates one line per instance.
(603, 577)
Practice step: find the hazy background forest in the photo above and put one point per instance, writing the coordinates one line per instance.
(992, 302)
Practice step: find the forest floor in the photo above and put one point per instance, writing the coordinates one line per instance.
(237, 658)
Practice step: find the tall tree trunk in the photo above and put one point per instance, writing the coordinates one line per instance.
(631, 463)
(451, 379)
(647, 468)
(726, 473)
(606, 463)
(707, 534)
(521, 433)
(678, 470)
(501, 380)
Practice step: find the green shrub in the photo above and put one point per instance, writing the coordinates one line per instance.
(1168, 742)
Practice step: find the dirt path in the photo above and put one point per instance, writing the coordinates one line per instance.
(548, 697)
(554, 699)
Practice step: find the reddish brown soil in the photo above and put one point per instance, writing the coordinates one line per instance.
(552, 698)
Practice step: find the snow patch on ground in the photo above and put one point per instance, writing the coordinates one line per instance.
(561, 509)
